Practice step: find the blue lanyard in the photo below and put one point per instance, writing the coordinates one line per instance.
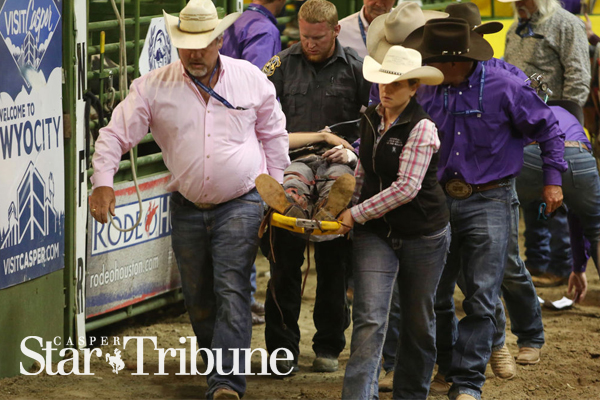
(258, 10)
(210, 91)
(362, 30)
(468, 112)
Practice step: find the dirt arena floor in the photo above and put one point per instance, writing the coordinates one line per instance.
(569, 369)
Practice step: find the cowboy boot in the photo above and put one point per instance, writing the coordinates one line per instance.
(337, 200)
(274, 195)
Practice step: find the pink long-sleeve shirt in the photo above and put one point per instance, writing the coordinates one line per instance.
(213, 153)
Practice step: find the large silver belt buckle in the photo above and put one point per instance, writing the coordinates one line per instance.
(458, 189)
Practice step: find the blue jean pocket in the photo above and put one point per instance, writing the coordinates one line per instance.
(436, 234)
(583, 171)
(500, 195)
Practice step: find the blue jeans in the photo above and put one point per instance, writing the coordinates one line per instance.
(547, 244)
(520, 297)
(417, 264)
(547, 247)
(481, 227)
(393, 332)
(215, 251)
(252, 283)
(581, 192)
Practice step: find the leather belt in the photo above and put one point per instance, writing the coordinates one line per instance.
(459, 189)
(179, 199)
(571, 143)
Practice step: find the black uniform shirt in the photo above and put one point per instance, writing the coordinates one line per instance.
(312, 100)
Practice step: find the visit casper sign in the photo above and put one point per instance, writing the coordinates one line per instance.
(32, 205)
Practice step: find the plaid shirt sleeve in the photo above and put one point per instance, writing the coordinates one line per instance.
(416, 155)
(359, 176)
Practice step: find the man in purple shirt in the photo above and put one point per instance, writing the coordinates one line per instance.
(483, 113)
(254, 36)
(581, 186)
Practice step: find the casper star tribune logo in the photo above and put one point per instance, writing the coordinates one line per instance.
(115, 361)
(218, 360)
(27, 28)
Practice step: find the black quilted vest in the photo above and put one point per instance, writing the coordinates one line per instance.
(427, 212)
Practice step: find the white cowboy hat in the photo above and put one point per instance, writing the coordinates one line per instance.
(400, 64)
(392, 29)
(198, 25)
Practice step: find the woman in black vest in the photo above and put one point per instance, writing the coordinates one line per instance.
(401, 230)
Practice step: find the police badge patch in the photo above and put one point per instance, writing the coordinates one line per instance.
(269, 68)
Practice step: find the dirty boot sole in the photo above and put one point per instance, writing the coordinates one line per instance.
(272, 193)
(338, 199)
(324, 364)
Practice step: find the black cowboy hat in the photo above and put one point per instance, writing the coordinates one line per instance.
(570, 106)
(470, 13)
(447, 40)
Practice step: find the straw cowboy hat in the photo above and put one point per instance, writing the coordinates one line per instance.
(470, 13)
(400, 64)
(447, 40)
(391, 29)
(197, 25)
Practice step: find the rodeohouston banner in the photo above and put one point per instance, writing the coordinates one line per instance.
(127, 267)
(32, 204)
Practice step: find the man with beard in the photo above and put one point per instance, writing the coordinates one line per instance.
(218, 124)
(319, 83)
(354, 27)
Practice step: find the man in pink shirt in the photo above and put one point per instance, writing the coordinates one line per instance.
(219, 125)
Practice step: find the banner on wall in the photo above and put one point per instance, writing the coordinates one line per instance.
(158, 50)
(124, 268)
(32, 204)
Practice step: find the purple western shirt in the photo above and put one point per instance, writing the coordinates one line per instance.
(253, 36)
(570, 126)
(485, 146)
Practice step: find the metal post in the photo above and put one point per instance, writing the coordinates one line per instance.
(136, 43)
(71, 163)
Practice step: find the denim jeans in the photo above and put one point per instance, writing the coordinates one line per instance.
(282, 306)
(581, 191)
(253, 283)
(417, 264)
(547, 244)
(393, 332)
(520, 297)
(547, 247)
(215, 251)
(481, 227)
